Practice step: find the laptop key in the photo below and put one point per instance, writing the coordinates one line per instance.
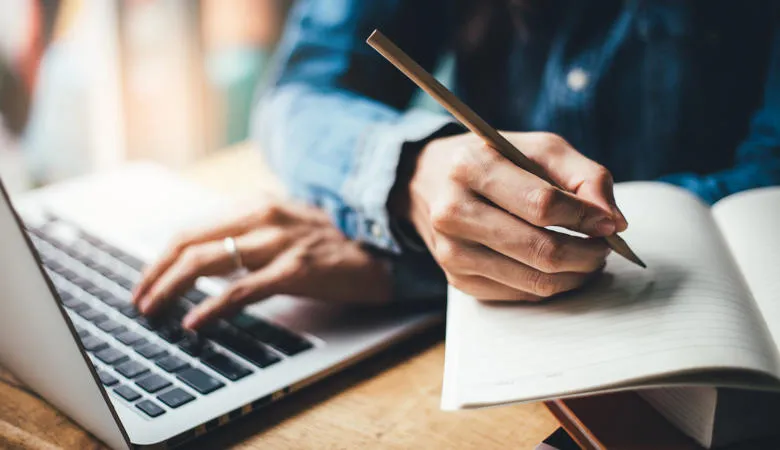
(171, 364)
(111, 356)
(76, 306)
(151, 351)
(131, 261)
(97, 318)
(139, 343)
(192, 344)
(176, 397)
(291, 345)
(106, 271)
(195, 296)
(118, 330)
(127, 393)
(245, 347)
(225, 366)
(131, 369)
(68, 300)
(93, 315)
(81, 332)
(88, 312)
(53, 264)
(277, 337)
(94, 291)
(93, 344)
(170, 332)
(153, 383)
(122, 281)
(91, 263)
(106, 378)
(68, 274)
(129, 311)
(129, 338)
(199, 380)
(112, 326)
(150, 408)
(86, 286)
(145, 322)
(112, 300)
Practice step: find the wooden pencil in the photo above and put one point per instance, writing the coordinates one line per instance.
(474, 122)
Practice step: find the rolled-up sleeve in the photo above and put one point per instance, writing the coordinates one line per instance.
(334, 122)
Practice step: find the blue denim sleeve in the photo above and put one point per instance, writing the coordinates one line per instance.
(758, 157)
(334, 121)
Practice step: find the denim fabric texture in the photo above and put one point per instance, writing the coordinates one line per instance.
(682, 91)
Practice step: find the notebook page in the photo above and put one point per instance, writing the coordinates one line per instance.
(750, 222)
(689, 409)
(690, 310)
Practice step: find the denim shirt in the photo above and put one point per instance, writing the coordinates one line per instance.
(683, 91)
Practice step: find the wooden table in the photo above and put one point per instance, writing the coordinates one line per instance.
(388, 401)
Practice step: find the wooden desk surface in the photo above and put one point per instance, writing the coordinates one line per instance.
(388, 401)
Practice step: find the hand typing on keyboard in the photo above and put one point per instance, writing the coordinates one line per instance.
(286, 249)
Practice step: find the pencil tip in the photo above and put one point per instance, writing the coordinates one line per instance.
(621, 247)
(635, 259)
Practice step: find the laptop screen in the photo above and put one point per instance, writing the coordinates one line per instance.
(37, 341)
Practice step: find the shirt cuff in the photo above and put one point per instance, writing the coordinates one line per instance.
(415, 277)
(373, 174)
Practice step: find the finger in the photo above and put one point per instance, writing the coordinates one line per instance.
(539, 248)
(500, 268)
(599, 189)
(572, 170)
(537, 201)
(153, 272)
(198, 260)
(486, 289)
(257, 286)
(237, 225)
(256, 248)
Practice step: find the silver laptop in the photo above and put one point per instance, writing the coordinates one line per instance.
(68, 261)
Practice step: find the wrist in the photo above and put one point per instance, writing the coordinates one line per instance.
(399, 203)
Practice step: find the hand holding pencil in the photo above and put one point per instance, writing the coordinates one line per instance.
(481, 204)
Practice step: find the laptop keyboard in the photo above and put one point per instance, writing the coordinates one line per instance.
(151, 363)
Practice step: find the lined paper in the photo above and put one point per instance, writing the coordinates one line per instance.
(690, 310)
(690, 409)
(750, 223)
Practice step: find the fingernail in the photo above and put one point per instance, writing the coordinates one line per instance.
(605, 227)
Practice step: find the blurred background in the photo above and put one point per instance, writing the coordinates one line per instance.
(87, 85)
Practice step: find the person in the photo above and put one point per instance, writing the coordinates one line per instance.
(683, 92)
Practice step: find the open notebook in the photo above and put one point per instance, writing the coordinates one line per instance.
(706, 311)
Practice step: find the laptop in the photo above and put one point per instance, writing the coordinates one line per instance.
(70, 255)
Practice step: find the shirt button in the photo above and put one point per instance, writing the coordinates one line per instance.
(375, 230)
(577, 79)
